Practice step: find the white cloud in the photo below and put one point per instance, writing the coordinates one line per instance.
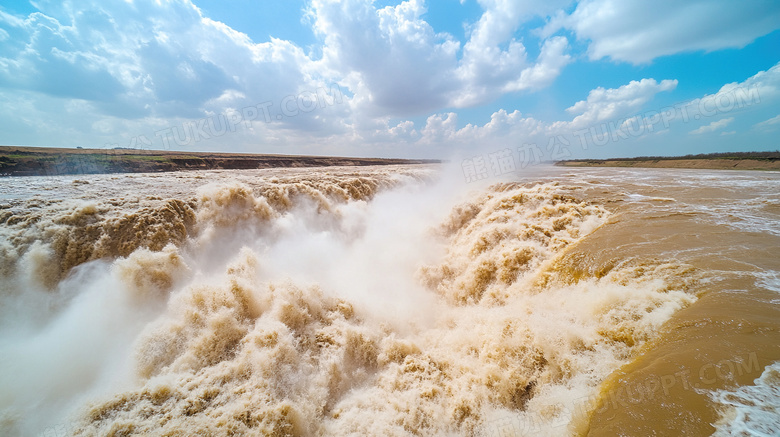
(106, 72)
(155, 61)
(603, 104)
(392, 59)
(145, 58)
(551, 61)
(398, 65)
(440, 128)
(763, 88)
(712, 127)
(487, 70)
(600, 116)
(164, 60)
(772, 123)
(638, 32)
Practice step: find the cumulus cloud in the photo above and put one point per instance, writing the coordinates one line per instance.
(601, 115)
(108, 72)
(763, 87)
(638, 32)
(603, 104)
(390, 57)
(164, 63)
(397, 64)
(486, 69)
(712, 127)
(158, 58)
(440, 128)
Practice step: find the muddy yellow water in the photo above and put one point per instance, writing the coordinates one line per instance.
(724, 227)
(388, 301)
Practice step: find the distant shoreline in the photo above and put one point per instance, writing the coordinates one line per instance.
(714, 161)
(49, 161)
(713, 164)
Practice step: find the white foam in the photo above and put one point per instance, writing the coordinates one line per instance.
(751, 410)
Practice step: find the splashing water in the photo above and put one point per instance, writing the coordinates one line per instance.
(380, 301)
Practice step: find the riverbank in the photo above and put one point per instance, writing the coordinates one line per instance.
(49, 161)
(716, 164)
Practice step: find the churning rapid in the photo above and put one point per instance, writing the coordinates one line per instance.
(390, 301)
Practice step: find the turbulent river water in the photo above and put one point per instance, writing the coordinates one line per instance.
(393, 300)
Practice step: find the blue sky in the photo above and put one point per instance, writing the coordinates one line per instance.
(548, 79)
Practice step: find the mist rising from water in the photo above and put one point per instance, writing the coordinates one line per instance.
(312, 302)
